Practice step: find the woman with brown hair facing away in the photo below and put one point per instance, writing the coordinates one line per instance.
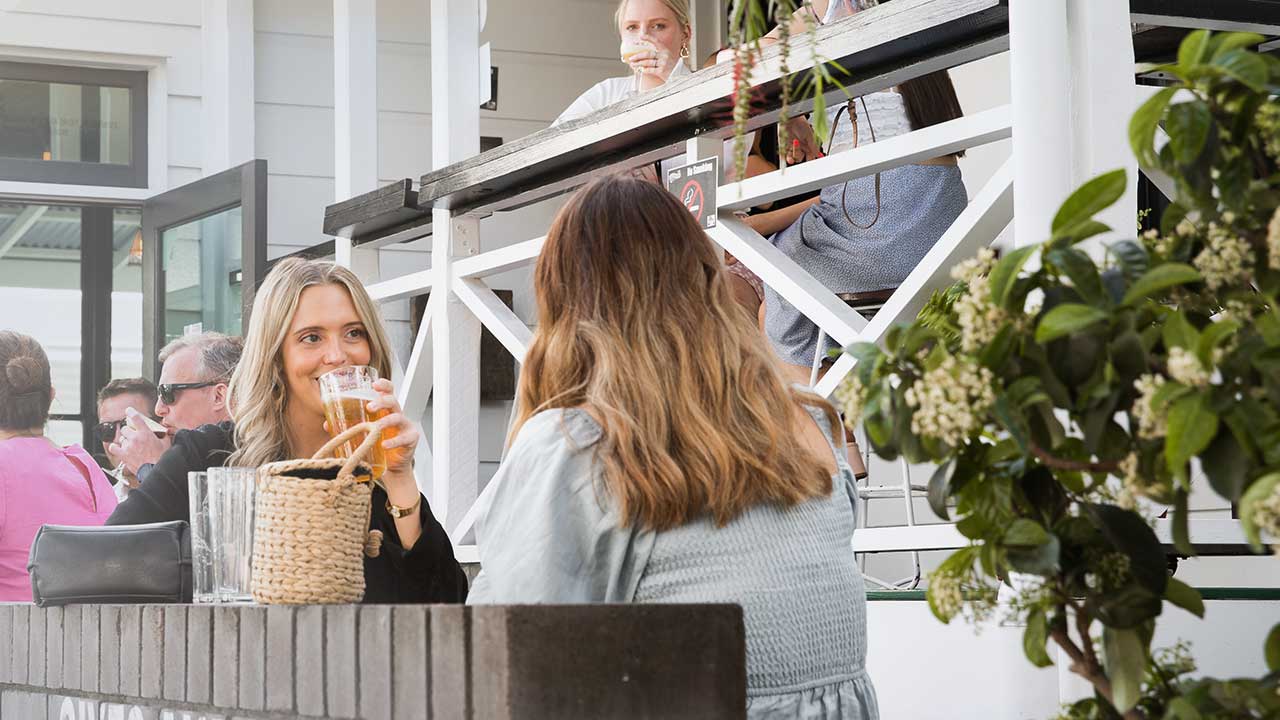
(658, 456)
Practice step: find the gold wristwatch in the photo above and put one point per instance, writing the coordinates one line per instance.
(397, 512)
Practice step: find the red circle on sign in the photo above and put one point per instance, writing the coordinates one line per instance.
(691, 196)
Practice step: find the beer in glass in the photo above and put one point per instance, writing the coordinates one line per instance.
(346, 393)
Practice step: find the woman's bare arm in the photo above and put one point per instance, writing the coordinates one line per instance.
(774, 221)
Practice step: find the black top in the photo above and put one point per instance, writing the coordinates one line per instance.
(428, 573)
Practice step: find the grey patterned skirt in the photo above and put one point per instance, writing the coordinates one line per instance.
(917, 205)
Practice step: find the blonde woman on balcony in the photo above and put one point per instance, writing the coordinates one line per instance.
(310, 317)
(658, 456)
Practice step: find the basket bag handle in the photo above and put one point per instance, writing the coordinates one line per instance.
(374, 435)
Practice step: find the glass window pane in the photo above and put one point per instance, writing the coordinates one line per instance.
(40, 289)
(66, 432)
(62, 121)
(200, 290)
(126, 294)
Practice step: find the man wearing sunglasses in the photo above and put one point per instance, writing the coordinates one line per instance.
(192, 392)
(115, 401)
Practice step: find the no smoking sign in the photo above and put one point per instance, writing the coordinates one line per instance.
(695, 186)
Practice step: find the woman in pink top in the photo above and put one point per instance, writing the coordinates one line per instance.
(39, 481)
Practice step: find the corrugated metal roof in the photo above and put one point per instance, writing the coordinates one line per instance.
(59, 227)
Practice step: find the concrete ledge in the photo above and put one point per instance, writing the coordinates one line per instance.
(348, 662)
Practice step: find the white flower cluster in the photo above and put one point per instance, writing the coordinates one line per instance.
(950, 400)
(1238, 310)
(1109, 573)
(1132, 486)
(978, 317)
(1225, 260)
(1151, 424)
(1185, 367)
(1266, 515)
(1273, 241)
(948, 595)
(851, 394)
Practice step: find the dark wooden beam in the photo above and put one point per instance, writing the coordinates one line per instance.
(1261, 16)
(375, 215)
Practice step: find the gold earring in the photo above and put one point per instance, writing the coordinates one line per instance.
(684, 50)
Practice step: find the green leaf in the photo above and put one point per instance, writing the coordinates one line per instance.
(1159, 278)
(1226, 42)
(1226, 464)
(1066, 319)
(1125, 658)
(1082, 271)
(1179, 332)
(940, 488)
(1143, 124)
(1037, 559)
(1035, 637)
(1188, 125)
(1192, 425)
(1185, 597)
(1089, 199)
(1214, 335)
(1132, 258)
(1180, 708)
(1258, 492)
(1271, 649)
(1193, 48)
(1181, 530)
(1005, 273)
(996, 352)
(1130, 534)
(1025, 533)
(1246, 67)
(1081, 232)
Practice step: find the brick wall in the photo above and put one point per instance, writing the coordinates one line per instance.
(186, 662)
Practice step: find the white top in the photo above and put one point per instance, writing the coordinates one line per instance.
(609, 91)
(613, 90)
(888, 118)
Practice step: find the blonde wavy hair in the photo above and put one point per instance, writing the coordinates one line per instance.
(257, 396)
(637, 326)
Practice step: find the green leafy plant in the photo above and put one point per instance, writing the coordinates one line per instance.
(1066, 395)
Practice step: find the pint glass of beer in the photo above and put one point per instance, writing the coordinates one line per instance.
(346, 393)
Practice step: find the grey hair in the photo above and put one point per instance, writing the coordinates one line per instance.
(218, 353)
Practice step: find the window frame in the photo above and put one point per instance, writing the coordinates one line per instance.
(69, 172)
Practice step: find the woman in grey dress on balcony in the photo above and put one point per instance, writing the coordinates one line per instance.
(658, 455)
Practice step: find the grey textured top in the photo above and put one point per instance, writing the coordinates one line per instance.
(549, 533)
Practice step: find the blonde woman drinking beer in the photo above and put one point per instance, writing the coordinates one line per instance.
(310, 318)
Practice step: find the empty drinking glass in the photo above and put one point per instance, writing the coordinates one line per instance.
(202, 583)
(231, 503)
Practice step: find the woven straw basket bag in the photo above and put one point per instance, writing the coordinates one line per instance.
(311, 528)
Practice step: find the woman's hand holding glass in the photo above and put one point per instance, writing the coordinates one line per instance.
(399, 440)
(647, 58)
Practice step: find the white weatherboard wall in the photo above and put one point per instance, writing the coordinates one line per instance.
(546, 53)
(122, 34)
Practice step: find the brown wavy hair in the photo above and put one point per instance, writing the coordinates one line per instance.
(26, 386)
(637, 326)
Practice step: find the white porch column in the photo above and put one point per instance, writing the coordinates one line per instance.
(455, 135)
(1040, 80)
(1103, 98)
(355, 116)
(226, 37)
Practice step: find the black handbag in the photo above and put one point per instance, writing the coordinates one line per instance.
(113, 564)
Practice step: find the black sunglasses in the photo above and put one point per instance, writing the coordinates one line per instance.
(169, 391)
(106, 431)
